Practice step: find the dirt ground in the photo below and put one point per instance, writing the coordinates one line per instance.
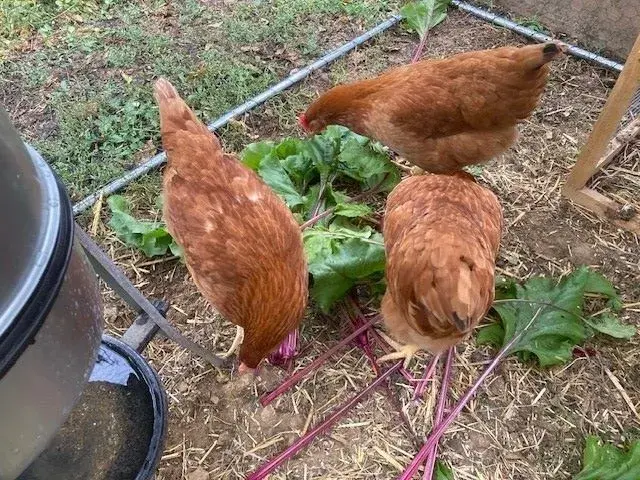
(526, 423)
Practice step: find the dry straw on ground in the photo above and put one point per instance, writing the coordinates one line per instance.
(526, 423)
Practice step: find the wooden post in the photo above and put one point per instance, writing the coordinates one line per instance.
(594, 156)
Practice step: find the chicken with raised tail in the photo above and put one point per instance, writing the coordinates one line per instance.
(241, 243)
(441, 115)
(442, 235)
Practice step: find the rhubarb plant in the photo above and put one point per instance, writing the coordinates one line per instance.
(311, 177)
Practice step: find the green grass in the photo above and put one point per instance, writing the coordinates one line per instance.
(76, 75)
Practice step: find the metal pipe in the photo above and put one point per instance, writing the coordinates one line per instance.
(157, 160)
(540, 37)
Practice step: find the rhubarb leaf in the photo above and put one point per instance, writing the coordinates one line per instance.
(422, 15)
(152, 238)
(559, 318)
(604, 461)
(339, 258)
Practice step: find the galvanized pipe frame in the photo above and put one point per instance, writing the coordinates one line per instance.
(157, 160)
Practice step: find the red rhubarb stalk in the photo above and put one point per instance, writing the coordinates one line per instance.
(418, 52)
(439, 430)
(428, 374)
(286, 352)
(300, 374)
(323, 426)
(442, 401)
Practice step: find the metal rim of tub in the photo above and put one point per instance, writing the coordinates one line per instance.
(159, 402)
(22, 330)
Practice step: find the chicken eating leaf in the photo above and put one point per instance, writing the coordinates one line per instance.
(442, 114)
(241, 243)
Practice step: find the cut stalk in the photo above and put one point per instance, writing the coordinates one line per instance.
(428, 374)
(302, 442)
(442, 402)
(388, 387)
(439, 430)
(287, 351)
(300, 374)
(362, 340)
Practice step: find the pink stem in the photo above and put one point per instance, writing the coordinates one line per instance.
(439, 430)
(418, 52)
(428, 373)
(442, 401)
(356, 317)
(300, 374)
(359, 318)
(302, 442)
(287, 350)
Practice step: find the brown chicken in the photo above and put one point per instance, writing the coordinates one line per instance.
(242, 245)
(442, 114)
(441, 236)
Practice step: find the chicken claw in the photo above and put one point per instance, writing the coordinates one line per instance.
(416, 171)
(236, 342)
(407, 352)
(402, 351)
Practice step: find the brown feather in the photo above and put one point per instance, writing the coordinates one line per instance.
(442, 235)
(465, 107)
(242, 245)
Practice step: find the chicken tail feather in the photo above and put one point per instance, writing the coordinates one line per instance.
(177, 117)
(536, 56)
(163, 91)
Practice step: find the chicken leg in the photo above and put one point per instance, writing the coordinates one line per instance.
(236, 342)
(402, 351)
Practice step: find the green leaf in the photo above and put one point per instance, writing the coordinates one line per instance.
(254, 153)
(442, 472)
(362, 163)
(151, 238)
(603, 461)
(560, 325)
(491, 335)
(352, 210)
(610, 325)
(339, 258)
(422, 15)
(274, 175)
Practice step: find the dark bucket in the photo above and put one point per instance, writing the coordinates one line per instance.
(116, 430)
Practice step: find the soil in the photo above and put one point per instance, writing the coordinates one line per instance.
(526, 423)
(106, 436)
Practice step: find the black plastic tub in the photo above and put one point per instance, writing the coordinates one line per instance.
(116, 430)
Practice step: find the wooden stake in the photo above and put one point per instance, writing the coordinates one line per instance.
(597, 152)
(604, 129)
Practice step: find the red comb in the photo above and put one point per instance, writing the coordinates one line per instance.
(304, 123)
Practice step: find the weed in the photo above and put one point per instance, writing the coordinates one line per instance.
(96, 61)
(533, 23)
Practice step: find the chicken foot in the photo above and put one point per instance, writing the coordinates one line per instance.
(402, 351)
